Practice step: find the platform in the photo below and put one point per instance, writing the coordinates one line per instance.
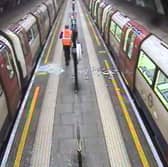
(47, 130)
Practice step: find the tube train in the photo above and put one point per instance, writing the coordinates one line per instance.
(20, 46)
(142, 61)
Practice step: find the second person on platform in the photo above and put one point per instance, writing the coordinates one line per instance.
(66, 36)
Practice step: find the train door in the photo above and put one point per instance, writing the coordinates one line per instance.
(45, 17)
(132, 37)
(3, 107)
(100, 14)
(96, 11)
(104, 17)
(40, 26)
(10, 83)
(21, 33)
(34, 41)
(107, 25)
(128, 58)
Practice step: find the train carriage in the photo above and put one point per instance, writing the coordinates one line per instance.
(107, 25)
(117, 22)
(132, 37)
(30, 25)
(20, 45)
(10, 88)
(151, 88)
(141, 58)
(18, 38)
(21, 34)
(14, 42)
(9, 74)
(42, 18)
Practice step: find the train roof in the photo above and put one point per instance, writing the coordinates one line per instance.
(157, 50)
(42, 7)
(120, 18)
(102, 4)
(27, 21)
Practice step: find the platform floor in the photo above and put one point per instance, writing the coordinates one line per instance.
(47, 132)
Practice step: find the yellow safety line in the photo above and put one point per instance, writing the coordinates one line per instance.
(94, 33)
(102, 51)
(129, 121)
(26, 128)
(41, 73)
(50, 46)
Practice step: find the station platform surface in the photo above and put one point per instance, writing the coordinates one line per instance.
(47, 130)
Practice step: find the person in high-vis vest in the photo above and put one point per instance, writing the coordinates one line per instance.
(66, 36)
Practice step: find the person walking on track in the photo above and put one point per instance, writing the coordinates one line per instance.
(66, 36)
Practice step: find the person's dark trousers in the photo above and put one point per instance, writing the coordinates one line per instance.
(67, 54)
(74, 37)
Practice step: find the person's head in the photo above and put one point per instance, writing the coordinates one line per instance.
(66, 26)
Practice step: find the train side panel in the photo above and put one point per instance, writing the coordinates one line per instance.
(21, 33)
(3, 104)
(30, 26)
(100, 14)
(55, 6)
(107, 25)
(97, 3)
(105, 11)
(151, 85)
(51, 9)
(117, 22)
(9, 79)
(42, 17)
(133, 35)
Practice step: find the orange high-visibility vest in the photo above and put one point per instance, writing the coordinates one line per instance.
(66, 38)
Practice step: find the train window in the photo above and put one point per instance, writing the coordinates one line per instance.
(113, 27)
(131, 45)
(45, 14)
(30, 35)
(42, 17)
(9, 66)
(161, 88)
(118, 33)
(126, 39)
(146, 67)
(23, 43)
(35, 30)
